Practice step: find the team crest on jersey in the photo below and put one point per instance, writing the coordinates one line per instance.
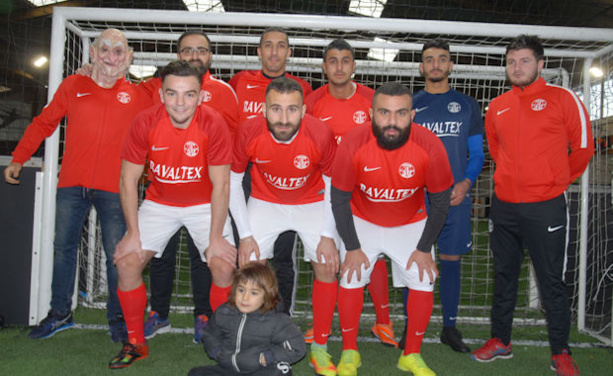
(123, 97)
(301, 161)
(406, 170)
(191, 149)
(359, 117)
(454, 107)
(207, 96)
(538, 104)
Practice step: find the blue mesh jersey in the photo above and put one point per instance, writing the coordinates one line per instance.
(456, 119)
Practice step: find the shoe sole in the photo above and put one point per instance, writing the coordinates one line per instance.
(319, 374)
(121, 366)
(162, 330)
(61, 328)
(508, 356)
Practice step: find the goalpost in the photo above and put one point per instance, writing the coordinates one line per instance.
(386, 50)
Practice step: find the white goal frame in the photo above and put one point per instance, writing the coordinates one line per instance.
(484, 39)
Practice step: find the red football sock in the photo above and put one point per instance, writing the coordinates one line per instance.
(350, 303)
(419, 310)
(133, 304)
(378, 289)
(218, 295)
(324, 302)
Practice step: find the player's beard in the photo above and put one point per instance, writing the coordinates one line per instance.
(440, 78)
(390, 143)
(284, 135)
(202, 68)
(523, 83)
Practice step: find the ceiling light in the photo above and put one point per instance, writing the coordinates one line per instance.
(42, 3)
(385, 54)
(368, 8)
(40, 61)
(596, 72)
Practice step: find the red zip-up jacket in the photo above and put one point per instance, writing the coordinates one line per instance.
(98, 121)
(540, 138)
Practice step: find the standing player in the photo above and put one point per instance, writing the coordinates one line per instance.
(188, 149)
(291, 155)
(99, 110)
(250, 87)
(193, 46)
(540, 138)
(378, 182)
(456, 119)
(344, 104)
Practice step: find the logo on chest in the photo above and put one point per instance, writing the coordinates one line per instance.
(454, 107)
(538, 104)
(123, 97)
(406, 170)
(359, 117)
(301, 161)
(207, 96)
(191, 149)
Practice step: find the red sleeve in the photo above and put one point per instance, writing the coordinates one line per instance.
(579, 130)
(45, 124)
(136, 145)
(490, 132)
(152, 88)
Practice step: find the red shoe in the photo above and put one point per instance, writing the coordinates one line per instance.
(492, 350)
(564, 364)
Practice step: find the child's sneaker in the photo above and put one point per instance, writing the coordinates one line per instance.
(492, 350)
(154, 325)
(200, 323)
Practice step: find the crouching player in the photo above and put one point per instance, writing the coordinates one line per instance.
(291, 155)
(189, 151)
(378, 182)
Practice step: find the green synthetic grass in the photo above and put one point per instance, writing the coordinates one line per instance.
(87, 352)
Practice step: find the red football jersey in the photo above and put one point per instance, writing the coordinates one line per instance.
(178, 159)
(285, 173)
(388, 185)
(97, 122)
(341, 115)
(250, 87)
(217, 94)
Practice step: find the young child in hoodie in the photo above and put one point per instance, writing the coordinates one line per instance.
(247, 335)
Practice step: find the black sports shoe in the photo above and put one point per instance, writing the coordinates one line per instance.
(452, 337)
(53, 323)
(118, 329)
(129, 354)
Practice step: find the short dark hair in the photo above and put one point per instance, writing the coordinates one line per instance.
(180, 68)
(263, 277)
(273, 29)
(435, 43)
(531, 42)
(393, 89)
(341, 45)
(284, 85)
(193, 32)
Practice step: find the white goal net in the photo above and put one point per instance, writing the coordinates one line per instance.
(386, 50)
